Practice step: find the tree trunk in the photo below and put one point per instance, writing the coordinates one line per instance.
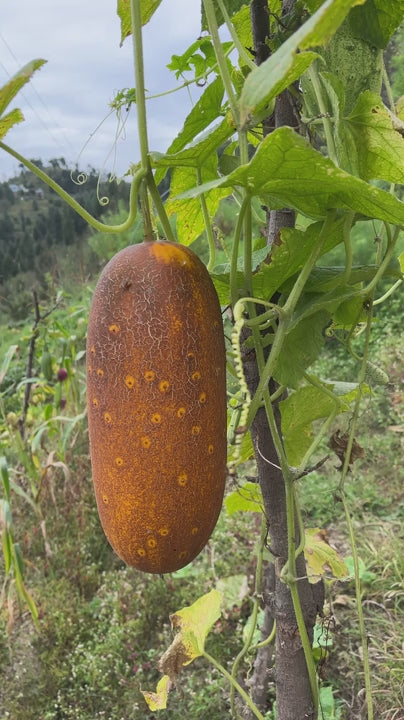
(293, 692)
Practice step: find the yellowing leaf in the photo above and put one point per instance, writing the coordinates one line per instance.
(321, 558)
(7, 121)
(196, 620)
(194, 623)
(158, 700)
(12, 87)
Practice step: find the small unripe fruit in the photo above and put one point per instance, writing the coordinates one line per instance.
(62, 374)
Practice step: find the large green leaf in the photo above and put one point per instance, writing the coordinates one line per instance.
(377, 20)
(298, 412)
(379, 147)
(10, 89)
(190, 218)
(300, 349)
(288, 172)
(289, 256)
(204, 112)
(198, 152)
(287, 64)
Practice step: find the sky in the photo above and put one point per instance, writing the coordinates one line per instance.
(69, 97)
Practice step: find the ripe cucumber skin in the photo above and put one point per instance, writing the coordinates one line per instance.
(156, 395)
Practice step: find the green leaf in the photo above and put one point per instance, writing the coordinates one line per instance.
(148, 8)
(232, 6)
(233, 590)
(298, 412)
(379, 147)
(7, 121)
(288, 172)
(247, 498)
(270, 79)
(190, 219)
(289, 256)
(5, 477)
(377, 20)
(10, 89)
(301, 347)
(204, 112)
(321, 558)
(329, 709)
(7, 542)
(6, 362)
(198, 152)
(357, 64)
(287, 64)
(366, 576)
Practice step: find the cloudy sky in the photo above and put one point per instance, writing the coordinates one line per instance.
(69, 97)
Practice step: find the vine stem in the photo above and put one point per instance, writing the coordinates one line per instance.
(96, 224)
(352, 539)
(234, 684)
(328, 131)
(221, 58)
(150, 184)
(208, 225)
(136, 16)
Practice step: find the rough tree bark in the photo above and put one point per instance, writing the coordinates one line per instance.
(293, 693)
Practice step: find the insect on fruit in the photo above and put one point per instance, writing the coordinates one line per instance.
(156, 391)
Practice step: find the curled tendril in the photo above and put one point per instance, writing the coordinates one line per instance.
(80, 179)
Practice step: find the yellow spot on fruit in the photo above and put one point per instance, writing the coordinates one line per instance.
(92, 349)
(182, 479)
(202, 398)
(190, 355)
(100, 372)
(156, 418)
(196, 376)
(195, 430)
(146, 442)
(181, 412)
(164, 386)
(114, 328)
(149, 375)
(129, 381)
(90, 369)
(163, 531)
(105, 499)
(151, 543)
(168, 253)
(182, 554)
(141, 552)
(194, 531)
(107, 417)
(119, 461)
(95, 402)
(210, 449)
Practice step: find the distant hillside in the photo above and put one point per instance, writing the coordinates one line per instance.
(37, 227)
